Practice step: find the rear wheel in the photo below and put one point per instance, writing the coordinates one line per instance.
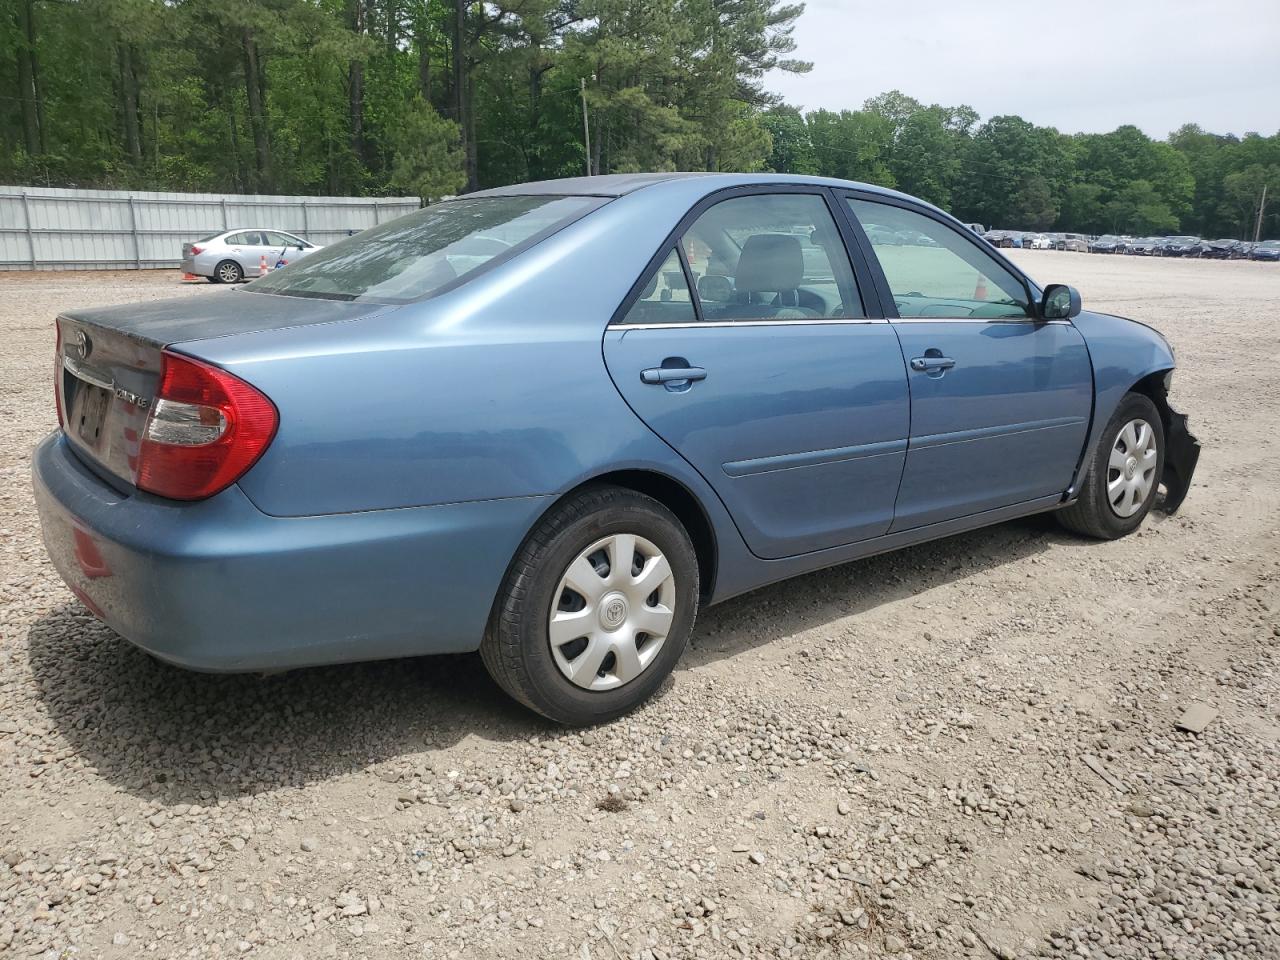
(596, 608)
(1122, 482)
(228, 271)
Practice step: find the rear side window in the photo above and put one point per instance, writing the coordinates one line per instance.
(416, 255)
(934, 271)
(771, 257)
(665, 297)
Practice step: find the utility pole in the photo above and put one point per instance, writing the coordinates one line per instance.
(586, 127)
(1262, 205)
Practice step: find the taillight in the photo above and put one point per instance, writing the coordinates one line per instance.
(195, 250)
(57, 369)
(206, 428)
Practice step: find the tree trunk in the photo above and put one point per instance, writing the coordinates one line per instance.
(256, 94)
(28, 92)
(357, 20)
(242, 180)
(129, 102)
(462, 92)
(424, 67)
(355, 84)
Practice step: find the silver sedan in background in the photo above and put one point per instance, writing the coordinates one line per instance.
(231, 256)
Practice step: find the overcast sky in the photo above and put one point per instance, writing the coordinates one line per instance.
(1078, 65)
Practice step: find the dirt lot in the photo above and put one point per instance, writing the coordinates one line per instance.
(885, 758)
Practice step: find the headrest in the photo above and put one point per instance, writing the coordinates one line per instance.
(770, 262)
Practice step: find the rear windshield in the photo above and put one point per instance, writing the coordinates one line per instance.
(423, 252)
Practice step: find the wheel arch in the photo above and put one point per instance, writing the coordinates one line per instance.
(673, 495)
(1182, 450)
(681, 501)
(231, 260)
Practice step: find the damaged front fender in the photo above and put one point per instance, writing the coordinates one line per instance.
(1181, 454)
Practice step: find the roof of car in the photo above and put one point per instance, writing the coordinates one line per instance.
(620, 184)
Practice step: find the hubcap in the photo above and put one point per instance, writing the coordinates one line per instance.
(1131, 470)
(228, 273)
(612, 612)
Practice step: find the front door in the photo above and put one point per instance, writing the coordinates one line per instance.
(1000, 401)
(748, 350)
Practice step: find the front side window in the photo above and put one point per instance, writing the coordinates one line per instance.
(933, 271)
(416, 255)
(770, 257)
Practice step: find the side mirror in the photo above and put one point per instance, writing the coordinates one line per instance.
(715, 288)
(1060, 302)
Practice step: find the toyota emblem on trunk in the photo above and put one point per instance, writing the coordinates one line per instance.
(84, 346)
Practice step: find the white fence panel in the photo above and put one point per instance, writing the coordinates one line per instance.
(43, 228)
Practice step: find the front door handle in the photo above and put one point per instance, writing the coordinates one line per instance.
(670, 374)
(931, 364)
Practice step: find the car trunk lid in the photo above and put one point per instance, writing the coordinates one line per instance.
(109, 362)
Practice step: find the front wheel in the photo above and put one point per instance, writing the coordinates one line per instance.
(596, 608)
(1121, 483)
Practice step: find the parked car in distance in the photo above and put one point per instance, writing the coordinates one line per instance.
(1039, 241)
(977, 228)
(1107, 243)
(915, 238)
(1220, 249)
(1266, 250)
(1143, 246)
(1181, 247)
(655, 393)
(232, 255)
(1003, 238)
(1076, 242)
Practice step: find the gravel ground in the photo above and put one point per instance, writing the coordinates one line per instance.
(899, 756)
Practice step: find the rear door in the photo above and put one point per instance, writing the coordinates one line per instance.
(244, 246)
(1000, 401)
(746, 346)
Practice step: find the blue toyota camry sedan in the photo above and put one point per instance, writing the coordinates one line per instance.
(550, 421)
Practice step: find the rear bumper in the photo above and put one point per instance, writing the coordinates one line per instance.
(218, 585)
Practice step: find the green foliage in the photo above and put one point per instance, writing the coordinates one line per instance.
(427, 156)
(790, 147)
(366, 97)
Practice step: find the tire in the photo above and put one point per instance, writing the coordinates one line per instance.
(1093, 514)
(214, 278)
(228, 271)
(517, 647)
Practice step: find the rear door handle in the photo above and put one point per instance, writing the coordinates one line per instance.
(928, 364)
(669, 374)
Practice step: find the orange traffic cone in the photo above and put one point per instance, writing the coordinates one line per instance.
(190, 278)
(980, 291)
(262, 266)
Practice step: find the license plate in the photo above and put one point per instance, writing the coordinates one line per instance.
(93, 403)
